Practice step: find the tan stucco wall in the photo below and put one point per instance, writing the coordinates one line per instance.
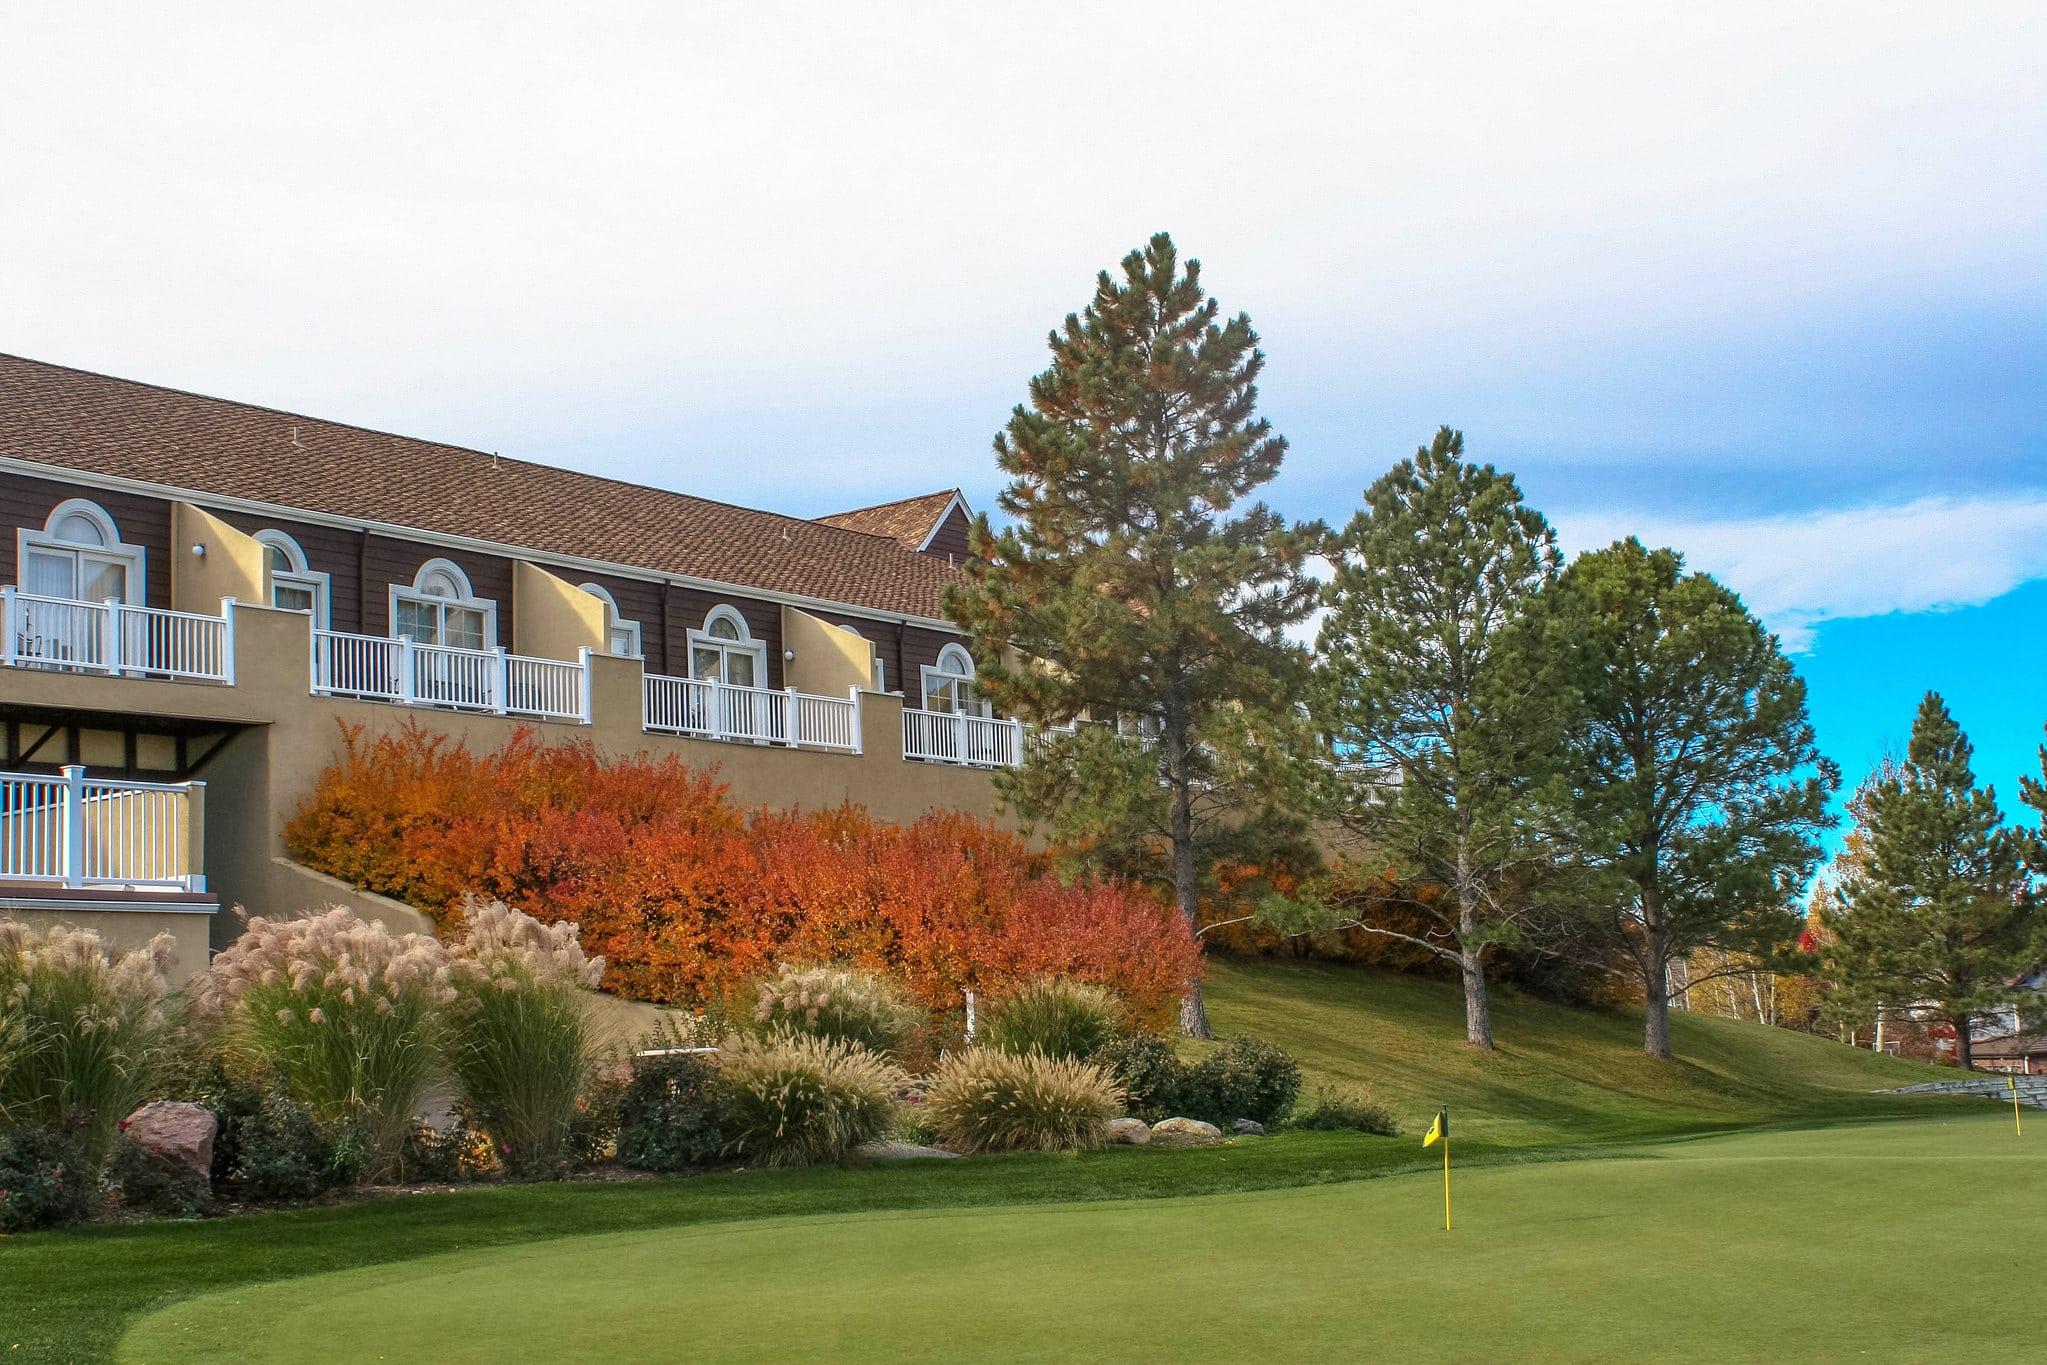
(830, 660)
(553, 618)
(124, 931)
(259, 777)
(231, 567)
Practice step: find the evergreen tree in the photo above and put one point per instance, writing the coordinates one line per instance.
(1699, 795)
(1939, 914)
(1438, 686)
(1135, 589)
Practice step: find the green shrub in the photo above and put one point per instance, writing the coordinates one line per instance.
(1243, 1079)
(283, 1153)
(1333, 1110)
(149, 1186)
(344, 1014)
(1152, 1077)
(1057, 1017)
(838, 1005)
(519, 1032)
(987, 1101)
(48, 1177)
(668, 1117)
(81, 1033)
(793, 1101)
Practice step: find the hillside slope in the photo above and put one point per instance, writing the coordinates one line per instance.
(1558, 1074)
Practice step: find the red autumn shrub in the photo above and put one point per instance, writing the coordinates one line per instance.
(688, 897)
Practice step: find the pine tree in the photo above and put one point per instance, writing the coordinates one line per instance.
(1132, 588)
(1700, 796)
(1438, 682)
(1939, 915)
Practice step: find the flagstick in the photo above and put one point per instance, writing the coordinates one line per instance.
(2011, 1081)
(1446, 1184)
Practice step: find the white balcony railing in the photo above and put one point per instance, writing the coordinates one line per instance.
(75, 831)
(756, 715)
(955, 737)
(374, 668)
(115, 638)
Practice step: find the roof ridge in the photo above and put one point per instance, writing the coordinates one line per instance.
(494, 456)
(897, 502)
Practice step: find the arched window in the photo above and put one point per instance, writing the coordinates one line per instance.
(78, 555)
(725, 650)
(440, 608)
(291, 585)
(621, 636)
(949, 685)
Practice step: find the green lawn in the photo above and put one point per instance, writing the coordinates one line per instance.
(1565, 1083)
(1813, 1245)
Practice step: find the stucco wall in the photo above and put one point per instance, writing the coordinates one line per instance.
(233, 565)
(830, 660)
(126, 930)
(553, 618)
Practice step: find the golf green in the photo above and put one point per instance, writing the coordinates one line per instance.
(1885, 1241)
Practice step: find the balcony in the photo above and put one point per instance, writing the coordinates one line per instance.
(489, 681)
(707, 709)
(957, 738)
(76, 832)
(114, 638)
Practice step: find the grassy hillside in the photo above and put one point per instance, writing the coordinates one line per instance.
(1559, 1074)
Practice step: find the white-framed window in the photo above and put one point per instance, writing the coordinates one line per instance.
(79, 555)
(949, 684)
(620, 635)
(440, 608)
(880, 669)
(292, 586)
(725, 650)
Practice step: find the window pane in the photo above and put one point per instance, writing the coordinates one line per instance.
(79, 529)
(100, 579)
(465, 627)
(739, 669)
(419, 620)
(938, 692)
(723, 629)
(51, 574)
(279, 561)
(624, 641)
(703, 663)
(291, 597)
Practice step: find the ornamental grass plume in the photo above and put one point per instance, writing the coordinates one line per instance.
(520, 1031)
(1052, 1015)
(343, 1013)
(82, 1031)
(789, 1100)
(987, 1101)
(838, 1004)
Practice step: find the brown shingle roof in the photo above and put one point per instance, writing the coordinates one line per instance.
(123, 429)
(908, 520)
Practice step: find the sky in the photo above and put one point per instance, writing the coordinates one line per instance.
(1764, 282)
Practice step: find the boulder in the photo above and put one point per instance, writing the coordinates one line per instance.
(1134, 1132)
(887, 1149)
(1248, 1127)
(1185, 1133)
(177, 1137)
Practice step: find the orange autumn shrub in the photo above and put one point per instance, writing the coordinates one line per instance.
(688, 898)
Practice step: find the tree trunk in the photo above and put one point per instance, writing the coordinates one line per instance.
(1478, 1010)
(1656, 1008)
(1187, 894)
(1965, 1046)
(1194, 1013)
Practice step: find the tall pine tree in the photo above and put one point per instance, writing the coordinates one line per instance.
(1700, 795)
(1940, 913)
(1437, 678)
(1134, 588)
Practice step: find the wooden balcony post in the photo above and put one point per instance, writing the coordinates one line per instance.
(10, 622)
(74, 824)
(583, 686)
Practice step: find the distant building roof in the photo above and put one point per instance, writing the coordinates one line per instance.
(119, 428)
(908, 521)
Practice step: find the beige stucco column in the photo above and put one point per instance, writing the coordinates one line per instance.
(232, 564)
(830, 660)
(552, 618)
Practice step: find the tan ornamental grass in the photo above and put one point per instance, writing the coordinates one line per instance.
(982, 1100)
(790, 1100)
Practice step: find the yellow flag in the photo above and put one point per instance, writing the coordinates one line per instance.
(1438, 1130)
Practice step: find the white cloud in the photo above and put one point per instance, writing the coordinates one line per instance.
(1798, 571)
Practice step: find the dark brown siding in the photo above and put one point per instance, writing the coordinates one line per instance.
(949, 542)
(387, 561)
(686, 610)
(330, 550)
(143, 521)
